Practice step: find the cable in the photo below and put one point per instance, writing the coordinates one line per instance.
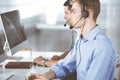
(72, 38)
(81, 36)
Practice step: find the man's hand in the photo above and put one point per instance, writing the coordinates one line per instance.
(36, 77)
(56, 57)
(39, 60)
(46, 76)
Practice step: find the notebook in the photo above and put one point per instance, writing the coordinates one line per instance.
(18, 65)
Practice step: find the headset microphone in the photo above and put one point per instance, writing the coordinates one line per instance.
(84, 15)
(66, 23)
(71, 27)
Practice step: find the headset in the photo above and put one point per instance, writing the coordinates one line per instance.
(84, 14)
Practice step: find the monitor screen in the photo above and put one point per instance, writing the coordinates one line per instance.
(13, 28)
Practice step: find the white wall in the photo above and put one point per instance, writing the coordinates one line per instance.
(109, 19)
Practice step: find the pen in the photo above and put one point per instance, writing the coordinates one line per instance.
(10, 77)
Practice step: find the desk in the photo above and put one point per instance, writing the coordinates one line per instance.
(27, 56)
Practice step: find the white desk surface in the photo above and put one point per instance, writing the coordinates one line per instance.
(34, 54)
(26, 56)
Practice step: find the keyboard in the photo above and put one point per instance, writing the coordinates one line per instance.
(23, 75)
(17, 77)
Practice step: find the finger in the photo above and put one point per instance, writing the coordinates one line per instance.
(31, 76)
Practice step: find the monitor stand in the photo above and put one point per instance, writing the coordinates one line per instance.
(8, 53)
(6, 48)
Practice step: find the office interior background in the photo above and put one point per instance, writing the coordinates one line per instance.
(43, 22)
(45, 18)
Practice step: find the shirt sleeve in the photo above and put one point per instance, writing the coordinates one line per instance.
(103, 64)
(66, 65)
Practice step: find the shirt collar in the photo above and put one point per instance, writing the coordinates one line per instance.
(91, 35)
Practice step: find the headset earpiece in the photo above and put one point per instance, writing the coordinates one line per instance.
(85, 13)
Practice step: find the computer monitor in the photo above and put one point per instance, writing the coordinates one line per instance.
(1, 48)
(2, 53)
(13, 30)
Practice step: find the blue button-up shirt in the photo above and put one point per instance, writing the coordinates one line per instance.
(92, 57)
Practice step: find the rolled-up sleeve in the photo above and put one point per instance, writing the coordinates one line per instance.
(66, 65)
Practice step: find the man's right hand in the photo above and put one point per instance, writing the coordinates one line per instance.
(36, 77)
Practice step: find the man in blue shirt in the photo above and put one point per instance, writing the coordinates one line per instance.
(93, 56)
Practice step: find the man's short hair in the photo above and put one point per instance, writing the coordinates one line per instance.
(68, 3)
(94, 5)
